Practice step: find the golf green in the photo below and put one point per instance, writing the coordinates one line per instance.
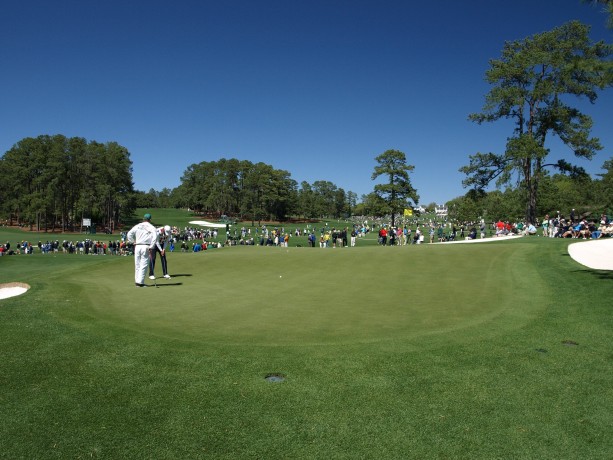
(300, 296)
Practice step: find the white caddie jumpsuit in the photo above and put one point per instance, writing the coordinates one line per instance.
(144, 237)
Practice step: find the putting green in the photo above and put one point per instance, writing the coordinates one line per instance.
(301, 296)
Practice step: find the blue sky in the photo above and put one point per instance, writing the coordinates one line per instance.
(318, 88)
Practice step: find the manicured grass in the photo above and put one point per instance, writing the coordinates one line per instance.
(430, 351)
(164, 216)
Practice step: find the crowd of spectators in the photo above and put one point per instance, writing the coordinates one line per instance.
(413, 232)
(572, 227)
(419, 231)
(82, 247)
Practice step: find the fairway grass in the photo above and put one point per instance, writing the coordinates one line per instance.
(429, 351)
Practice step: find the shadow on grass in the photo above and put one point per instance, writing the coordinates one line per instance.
(176, 275)
(165, 285)
(600, 274)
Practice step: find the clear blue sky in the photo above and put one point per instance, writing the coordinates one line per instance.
(318, 88)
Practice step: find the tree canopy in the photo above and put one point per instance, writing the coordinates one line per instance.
(397, 192)
(55, 182)
(532, 85)
(257, 191)
(608, 9)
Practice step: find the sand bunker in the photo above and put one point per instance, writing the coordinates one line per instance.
(12, 289)
(484, 240)
(596, 254)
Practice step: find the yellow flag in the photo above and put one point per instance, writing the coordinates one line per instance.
(408, 212)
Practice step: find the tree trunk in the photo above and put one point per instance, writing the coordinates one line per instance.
(532, 200)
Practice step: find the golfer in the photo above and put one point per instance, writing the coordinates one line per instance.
(163, 240)
(144, 237)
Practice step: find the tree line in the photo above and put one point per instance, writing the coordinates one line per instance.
(557, 193)
(256, 191)
(250, 191)
(56, 182)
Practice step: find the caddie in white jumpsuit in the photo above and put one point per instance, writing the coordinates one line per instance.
(144, 237)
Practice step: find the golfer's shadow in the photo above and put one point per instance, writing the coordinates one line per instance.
(168, 284)
(176, 275)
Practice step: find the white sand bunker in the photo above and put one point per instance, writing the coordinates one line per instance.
(12, 289)
(595, 254)
(484, 240)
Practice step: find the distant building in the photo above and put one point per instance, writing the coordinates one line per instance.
(419, 209)
(441, 210)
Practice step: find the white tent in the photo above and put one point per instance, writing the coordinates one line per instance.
(204, 223)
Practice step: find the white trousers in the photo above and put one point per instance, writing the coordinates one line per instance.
(141, 263)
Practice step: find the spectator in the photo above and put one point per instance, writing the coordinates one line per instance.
(545, 225)
(500, 228)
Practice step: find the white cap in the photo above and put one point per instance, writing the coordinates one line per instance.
(167, 228)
